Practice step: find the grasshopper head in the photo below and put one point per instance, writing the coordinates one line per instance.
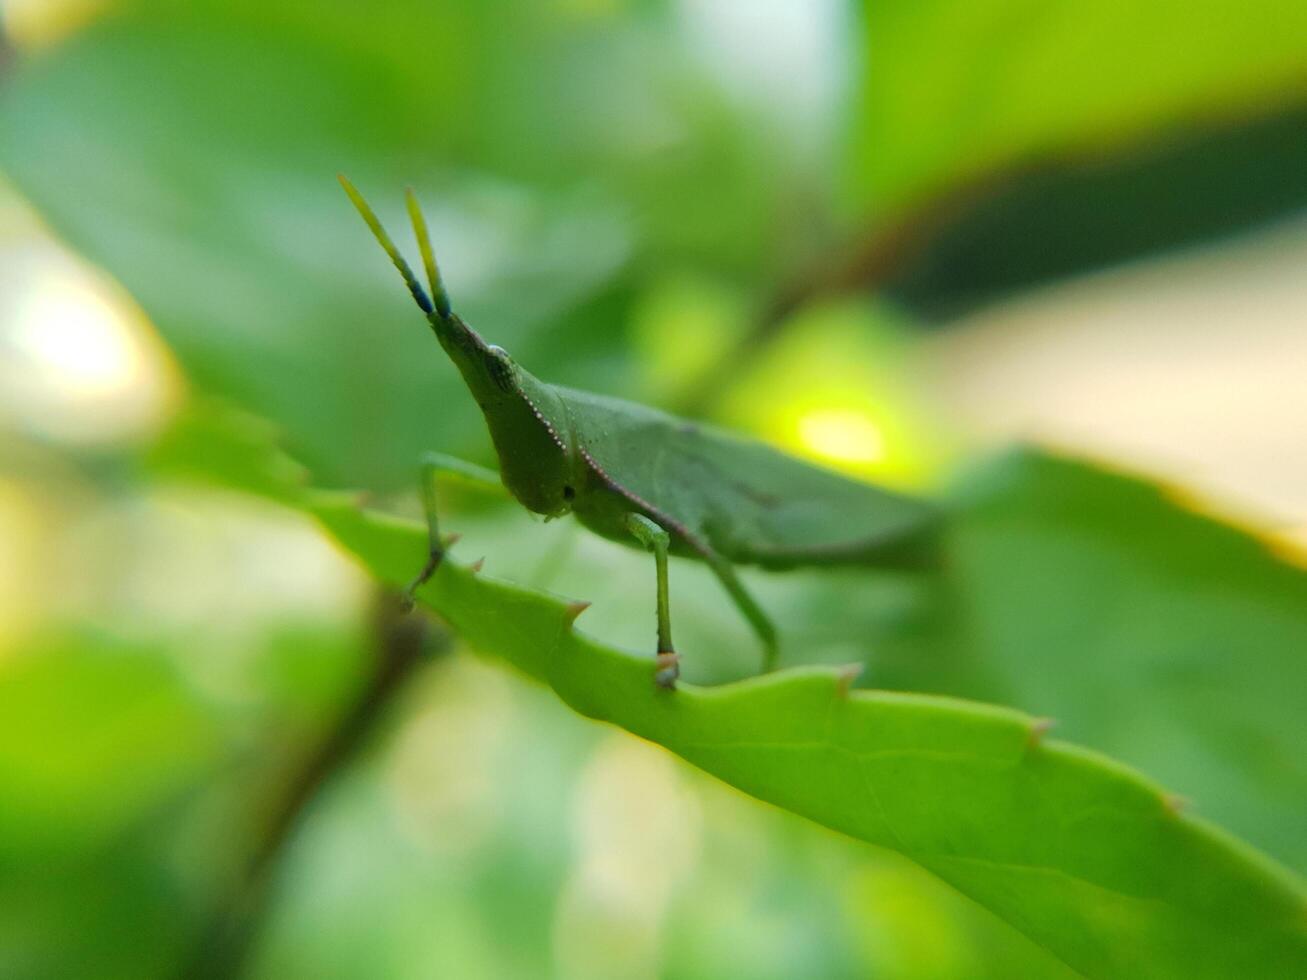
(525, 419)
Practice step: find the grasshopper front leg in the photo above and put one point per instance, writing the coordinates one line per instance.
(656, 540)
(434, 465)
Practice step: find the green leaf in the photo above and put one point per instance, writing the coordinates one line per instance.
(193, 153)
(1158, 634)
(102, 744)
(1087, 858)
(949, 90)
(217, 443)
(1064, 136)
(191, 150)
(93, 732)
(1151, 631)
(1065, 216)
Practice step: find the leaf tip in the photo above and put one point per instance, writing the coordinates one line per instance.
(477, 565)
(1174, 803)
(449, 540)
(1039, 727)
(574, 609)
(845, 677)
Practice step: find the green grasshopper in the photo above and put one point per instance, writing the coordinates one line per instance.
(651, 480)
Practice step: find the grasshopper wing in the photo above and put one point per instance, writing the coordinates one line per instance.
(745, 500)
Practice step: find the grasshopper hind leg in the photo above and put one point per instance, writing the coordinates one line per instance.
(748, 606)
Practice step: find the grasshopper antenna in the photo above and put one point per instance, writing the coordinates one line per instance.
(438, 292)
(410, 280)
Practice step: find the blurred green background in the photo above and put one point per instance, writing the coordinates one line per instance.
(888, 237)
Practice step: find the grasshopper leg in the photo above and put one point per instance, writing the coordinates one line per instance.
(433, 465)
(748, 606)
(656, 540)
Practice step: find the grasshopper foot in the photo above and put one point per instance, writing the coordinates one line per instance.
(668, 670)
(409, 598)
(434, 557)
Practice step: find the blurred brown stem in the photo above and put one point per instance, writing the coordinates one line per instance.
(866, 261)
(399, 641)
